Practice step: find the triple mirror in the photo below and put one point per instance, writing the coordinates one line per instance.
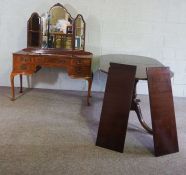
(56, 29)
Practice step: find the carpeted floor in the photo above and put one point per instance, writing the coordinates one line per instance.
(48, 132)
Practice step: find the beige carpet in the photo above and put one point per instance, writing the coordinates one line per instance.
(47, 132)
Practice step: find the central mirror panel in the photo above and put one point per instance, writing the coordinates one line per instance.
(60, 34)
(58, 30)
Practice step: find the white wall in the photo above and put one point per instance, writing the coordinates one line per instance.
(154, 28)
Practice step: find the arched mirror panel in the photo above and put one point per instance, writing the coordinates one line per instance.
(79, 32)
(34, 31)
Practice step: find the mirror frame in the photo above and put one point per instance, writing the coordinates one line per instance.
(40, 26)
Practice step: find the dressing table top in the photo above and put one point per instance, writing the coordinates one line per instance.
(56, 52)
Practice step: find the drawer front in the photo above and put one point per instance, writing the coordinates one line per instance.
(80, 71)
(81, 61)
(57, 61)
(23, 67)
(39, 60)
(23, 59)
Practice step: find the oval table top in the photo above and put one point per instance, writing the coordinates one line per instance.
(140, 62)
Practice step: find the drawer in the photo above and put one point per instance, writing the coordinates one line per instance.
(24, 67)
(39, 60)
(81, 61)
(57, 61)
(23, 59)
(80, 71)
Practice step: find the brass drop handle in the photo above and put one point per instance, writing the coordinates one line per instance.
(26, 59)
(78, 62)
(78, 69)
(23, 67)
(63, 61)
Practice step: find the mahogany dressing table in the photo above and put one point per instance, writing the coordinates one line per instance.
(54, 39)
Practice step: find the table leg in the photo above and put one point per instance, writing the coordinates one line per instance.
(135, 106)
(21, 83)
(89, 90)
(12, 87)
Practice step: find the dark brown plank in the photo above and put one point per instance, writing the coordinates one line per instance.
(162, 111)
(116, 107)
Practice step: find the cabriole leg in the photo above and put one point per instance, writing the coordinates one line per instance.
(21, 83)
(89, 90)
(12, 87)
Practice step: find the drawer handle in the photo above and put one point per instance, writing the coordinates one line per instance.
(78, 61)
(78, 70)
(63, 61)
(26, 59)
(23, 67)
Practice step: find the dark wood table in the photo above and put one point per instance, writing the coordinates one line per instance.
(158, 76)
(141, 64)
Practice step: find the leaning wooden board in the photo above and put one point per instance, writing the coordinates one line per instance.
(162, 111)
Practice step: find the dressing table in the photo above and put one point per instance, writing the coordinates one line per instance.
(54, 39)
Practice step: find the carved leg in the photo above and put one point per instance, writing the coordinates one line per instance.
(90, 95)
(21, 83)
(12, 87)
(136, 107)
(89, 90)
